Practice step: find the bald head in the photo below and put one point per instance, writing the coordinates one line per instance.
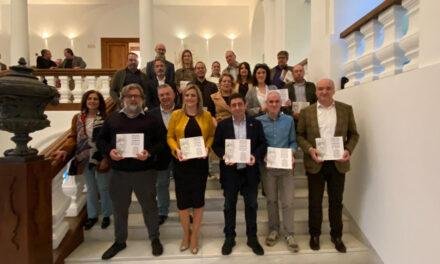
(160, 49)
(325, 89)
(298, 73)
(230, 58)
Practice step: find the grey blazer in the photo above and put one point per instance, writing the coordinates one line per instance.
(76, 62)
(253, 105)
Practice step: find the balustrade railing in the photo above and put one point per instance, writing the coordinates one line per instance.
(382, 43)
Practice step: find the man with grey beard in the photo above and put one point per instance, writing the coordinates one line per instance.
(132, 174)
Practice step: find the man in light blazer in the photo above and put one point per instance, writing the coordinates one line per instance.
(240, 177)
(326, 118)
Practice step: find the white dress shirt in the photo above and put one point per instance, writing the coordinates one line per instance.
(326, 120)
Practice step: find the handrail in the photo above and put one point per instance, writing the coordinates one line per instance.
(74, 72)
(57, 144)
(356, 26)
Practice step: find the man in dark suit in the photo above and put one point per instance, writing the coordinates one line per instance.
(131, 74)
(158, 79)
(160, 50)
(164, 161)
(299, 90)
(327, 118)
(206, 87)
(279, 72)
(241, 177)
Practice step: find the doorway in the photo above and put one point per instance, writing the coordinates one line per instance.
(114, 51)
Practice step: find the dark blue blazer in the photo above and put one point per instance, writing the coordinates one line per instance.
(254, 132)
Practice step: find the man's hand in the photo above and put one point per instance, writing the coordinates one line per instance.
(251, 161)
(296, 116)
(314, 154)
(227, 162)
(288, 103)
(114, 155)
(345, 156)
(143, 155)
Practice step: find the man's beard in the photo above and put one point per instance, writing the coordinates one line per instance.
(132, 110)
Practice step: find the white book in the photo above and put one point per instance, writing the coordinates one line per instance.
(279, 158)
(331, 148)
(288, 77)
(192, 147)
(284, 94)
(129, 145)
(238, 150)
(298, 106)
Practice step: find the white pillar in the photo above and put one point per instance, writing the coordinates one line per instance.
(146, 31)
(19, 31)
(274, 29)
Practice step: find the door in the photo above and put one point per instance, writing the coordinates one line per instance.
(114, 52)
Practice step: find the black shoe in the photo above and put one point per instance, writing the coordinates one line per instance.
(157, 247)
(162, 219)
(255, 246)
(90, 223)
(105, 222)
(314, 243)
(228, 245)
(113, 250)
(339, 245)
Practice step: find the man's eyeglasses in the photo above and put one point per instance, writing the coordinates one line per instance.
(133, 96)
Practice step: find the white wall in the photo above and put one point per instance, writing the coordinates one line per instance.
(297, 30)
(120, 19)
(392, 190)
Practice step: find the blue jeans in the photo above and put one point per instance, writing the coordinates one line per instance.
(162, 189)
(96, 181)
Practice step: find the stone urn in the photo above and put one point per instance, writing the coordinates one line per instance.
(23, 99)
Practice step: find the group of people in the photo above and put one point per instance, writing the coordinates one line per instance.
(70, 61)
(166, 106)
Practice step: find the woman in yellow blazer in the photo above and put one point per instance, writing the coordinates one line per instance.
(190, 175)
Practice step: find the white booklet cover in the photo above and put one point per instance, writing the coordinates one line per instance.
(238, 150)
(331, 148)
(129, 145)
(284, 94)
(279, 158)
(192, 147)
(298, 106)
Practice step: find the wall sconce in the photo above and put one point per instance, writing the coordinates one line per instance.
(181, 36)
(207, 37)
(72, 36)
(45, 36)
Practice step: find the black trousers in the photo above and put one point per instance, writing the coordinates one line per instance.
(335, 189)
(249, 191)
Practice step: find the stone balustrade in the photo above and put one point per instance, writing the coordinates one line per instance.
(384, 42)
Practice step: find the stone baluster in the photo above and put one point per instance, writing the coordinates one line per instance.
(105, 86)
(74, 187)
(351, 67)
(65, 92)
(50, 80)
(78, 90)
(91, 83)
(368, 62)
(410, 42)
(60, 203)
(390, 55)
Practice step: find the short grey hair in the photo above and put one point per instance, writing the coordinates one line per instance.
(273, 92)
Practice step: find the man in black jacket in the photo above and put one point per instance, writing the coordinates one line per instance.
(132, 173)
(158, 79)
(240, 177)
(160, 50)
(164, 160)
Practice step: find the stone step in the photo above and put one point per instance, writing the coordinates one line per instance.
(139, 251)
(213, 183)
(212, 225)
(214, 200)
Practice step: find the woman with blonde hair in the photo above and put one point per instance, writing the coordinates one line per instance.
(190, 175)
(185, 74)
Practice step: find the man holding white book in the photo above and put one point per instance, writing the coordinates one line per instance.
(326, 123)
(242, 135)
(277, 175)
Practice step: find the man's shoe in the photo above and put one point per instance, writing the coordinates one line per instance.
(314, 243)
(105, 222)
(162, 219)
(339, 245)
(291, 244)
(90, 223)
(255, 246)
(157, 248)
(228, 245)
(272, 238)
(113, 250)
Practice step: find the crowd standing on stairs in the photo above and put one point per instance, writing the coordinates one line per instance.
(271, 108)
